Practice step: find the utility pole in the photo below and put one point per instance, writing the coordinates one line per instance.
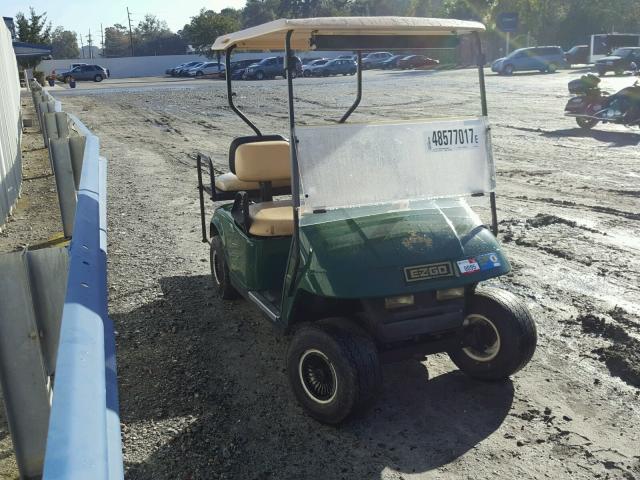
(81, 46)
(90, 43)
(130, 31)
(102, 39)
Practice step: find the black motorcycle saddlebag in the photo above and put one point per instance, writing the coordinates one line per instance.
(584, 84)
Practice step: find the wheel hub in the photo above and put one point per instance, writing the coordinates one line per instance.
(482, 339)
(317, 376)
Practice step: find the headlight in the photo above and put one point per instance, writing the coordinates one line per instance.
(391, 303)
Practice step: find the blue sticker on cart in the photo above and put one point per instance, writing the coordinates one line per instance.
(488, 261)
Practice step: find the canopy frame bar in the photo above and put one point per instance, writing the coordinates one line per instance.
(359, 94)
(227, 61)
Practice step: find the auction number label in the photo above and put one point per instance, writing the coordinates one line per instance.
(453, 139)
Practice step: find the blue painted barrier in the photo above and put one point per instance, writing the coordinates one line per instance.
(83, 441)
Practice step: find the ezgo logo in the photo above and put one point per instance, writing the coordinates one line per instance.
(426, 272)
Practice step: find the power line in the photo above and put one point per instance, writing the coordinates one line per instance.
(90, 43)
(130, 31)
(81, 46)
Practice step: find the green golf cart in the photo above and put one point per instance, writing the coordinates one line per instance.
(357, 239)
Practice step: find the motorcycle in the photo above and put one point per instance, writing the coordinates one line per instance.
(591, 105)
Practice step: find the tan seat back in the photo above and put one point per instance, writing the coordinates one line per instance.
(263, 161)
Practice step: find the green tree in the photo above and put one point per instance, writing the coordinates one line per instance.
(153, 37)
(64, 44)
(34, 29)
(205, 27)
(116, 41)
(256, 12)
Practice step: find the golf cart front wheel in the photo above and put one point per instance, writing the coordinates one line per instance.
(499, 336)
(220, 271)
(333, 369)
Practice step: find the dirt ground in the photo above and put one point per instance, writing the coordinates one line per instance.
(202, 383)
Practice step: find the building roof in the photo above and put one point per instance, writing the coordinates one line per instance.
(23, 49)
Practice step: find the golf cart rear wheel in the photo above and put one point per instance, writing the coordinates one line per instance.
(499, 336)
(220, 271)
(586, 123)
(333, 369)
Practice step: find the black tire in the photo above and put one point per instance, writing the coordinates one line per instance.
(508, 69)
(499, 317)
(199, 73)
(97, 78)
(586, 123)
(333, 369)
(601, 72)
(220, 271)
(552, 68)
(259, 75)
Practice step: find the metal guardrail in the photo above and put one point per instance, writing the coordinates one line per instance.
(83, 437)
(84, 428)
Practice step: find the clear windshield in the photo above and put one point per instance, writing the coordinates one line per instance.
(353, 165)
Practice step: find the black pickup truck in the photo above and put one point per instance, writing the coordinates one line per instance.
(619, 61)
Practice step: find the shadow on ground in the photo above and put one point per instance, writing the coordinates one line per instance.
(614, 139)
(219, 367)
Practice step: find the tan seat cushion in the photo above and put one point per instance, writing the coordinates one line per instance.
(228, 182)
(263, 161)
(271, 219)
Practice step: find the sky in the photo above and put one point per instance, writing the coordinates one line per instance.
(84, 15)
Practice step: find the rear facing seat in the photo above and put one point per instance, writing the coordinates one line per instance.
(229, 182)
(265, 161)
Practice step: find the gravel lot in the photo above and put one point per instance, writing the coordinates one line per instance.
(203, 388)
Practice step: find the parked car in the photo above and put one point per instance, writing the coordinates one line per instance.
(238, 68)
(207, 68)
(309, 70)
(374, 60)
(84, 72)
(347, 57)
(178, 70)
(270, 67)
(619, 61)
(337, 66)
(184, 71)
(391, 62)
(415, 61)
(577, 55)
(543, 59)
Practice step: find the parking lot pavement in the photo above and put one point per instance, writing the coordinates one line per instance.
(203, 388)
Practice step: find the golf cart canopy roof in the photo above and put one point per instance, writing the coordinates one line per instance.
(350, 33)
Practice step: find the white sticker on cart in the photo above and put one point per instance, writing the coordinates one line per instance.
(468, 266)
(447, 139)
